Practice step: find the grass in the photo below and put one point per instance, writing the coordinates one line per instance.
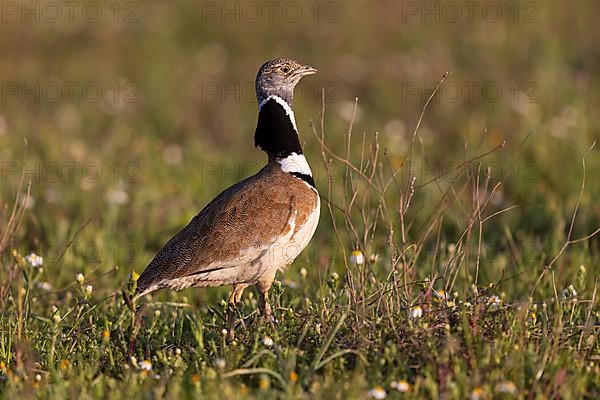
(477, 219)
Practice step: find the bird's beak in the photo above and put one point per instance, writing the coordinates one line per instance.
(307, 70)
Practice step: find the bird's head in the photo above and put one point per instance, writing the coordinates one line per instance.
(279, 77)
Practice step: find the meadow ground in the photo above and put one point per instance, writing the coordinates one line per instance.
(457, 260)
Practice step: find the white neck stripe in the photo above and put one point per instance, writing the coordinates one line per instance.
(282, 103)
(295, 163)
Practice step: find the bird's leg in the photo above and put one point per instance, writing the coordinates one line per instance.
(265, 307)
(236, 296)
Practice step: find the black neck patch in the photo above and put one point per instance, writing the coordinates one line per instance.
(305, 177)
(275, 133)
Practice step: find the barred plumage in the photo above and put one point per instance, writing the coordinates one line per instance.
(257, 226)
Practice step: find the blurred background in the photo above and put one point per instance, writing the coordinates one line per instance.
(130, 116)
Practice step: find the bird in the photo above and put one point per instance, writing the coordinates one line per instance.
(258, 226)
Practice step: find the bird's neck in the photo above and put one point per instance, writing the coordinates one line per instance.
(276, 131)
(277, 135)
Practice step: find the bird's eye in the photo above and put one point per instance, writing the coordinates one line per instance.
(285, 70)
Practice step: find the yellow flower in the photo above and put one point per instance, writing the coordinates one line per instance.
(244, 390)
(264, 383)
(18, 257)
(476, 394)
(196, 378)
(293, 376)
(64, 364)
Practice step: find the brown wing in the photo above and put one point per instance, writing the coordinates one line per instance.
(251, 213)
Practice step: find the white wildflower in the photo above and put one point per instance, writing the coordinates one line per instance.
(506, 387)
(416, 312)
(494, 302)
(117, 196)
(569, 292)
(303, 272)
(401, 386)
(378, 393)
(220, 363)
(34, 260)
(88, 290)
(80, 278)
(357, 257)
(267, 341)
(476, 394)
(146, 365)
(44, 286)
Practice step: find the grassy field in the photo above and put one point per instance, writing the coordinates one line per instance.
(452, 144)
